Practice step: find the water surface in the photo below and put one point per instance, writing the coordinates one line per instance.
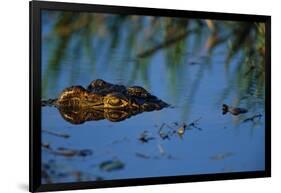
(192, 74)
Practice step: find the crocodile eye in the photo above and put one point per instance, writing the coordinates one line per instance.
(115, 101)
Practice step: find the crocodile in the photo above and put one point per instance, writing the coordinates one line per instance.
(103, 100)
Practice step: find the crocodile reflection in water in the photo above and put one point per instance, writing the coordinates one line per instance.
(103, 100)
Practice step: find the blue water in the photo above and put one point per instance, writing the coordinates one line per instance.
(194, 90)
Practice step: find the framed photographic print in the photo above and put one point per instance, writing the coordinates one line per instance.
(123, 96)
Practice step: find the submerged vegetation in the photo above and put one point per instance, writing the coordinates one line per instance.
(131, 42)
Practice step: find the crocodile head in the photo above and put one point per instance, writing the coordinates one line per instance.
(105, 100)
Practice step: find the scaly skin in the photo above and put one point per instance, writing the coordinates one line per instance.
(103, 100)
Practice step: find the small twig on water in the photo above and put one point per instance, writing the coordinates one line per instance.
(163, 135)
(161, 149)
(194, 124)
(48, 102)
(141, 155)
(180, 130)
(46, 145)
(61, 151)
(144, 137)
(64, 135)
(257, 116)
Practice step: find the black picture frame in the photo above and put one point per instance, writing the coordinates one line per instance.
(35, 95)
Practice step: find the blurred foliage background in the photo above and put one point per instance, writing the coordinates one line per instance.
(72, 35)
